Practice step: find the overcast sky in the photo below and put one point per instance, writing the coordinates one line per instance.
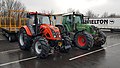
(97, 6)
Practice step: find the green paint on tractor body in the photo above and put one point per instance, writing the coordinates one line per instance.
(75, 26)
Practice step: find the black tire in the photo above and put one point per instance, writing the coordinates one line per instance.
(67, 43)
(3, 32)
(63, 31)
(41, 47)
(11, 38)
(24, 40)
(83, 40)
(102, 39)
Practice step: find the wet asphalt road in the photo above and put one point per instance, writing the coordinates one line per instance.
(109, 57)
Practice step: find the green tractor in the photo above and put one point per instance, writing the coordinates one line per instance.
(84, 36)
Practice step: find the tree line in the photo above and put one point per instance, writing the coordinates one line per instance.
(91, 14)
(7, 5)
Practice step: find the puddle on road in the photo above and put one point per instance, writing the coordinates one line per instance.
(113, 39)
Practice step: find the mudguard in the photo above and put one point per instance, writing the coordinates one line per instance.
(28, 31)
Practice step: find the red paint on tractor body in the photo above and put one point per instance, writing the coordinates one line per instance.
(52, 31)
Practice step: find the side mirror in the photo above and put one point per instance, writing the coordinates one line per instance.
(69, 17)
(54, 17)
(28, 15)
(88, 18)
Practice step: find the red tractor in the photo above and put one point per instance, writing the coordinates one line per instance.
(42, 36)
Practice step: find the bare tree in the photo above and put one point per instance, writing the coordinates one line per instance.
(77, 11)
(91, 14)
(70, 10)
(113, 15)
(47, 12)
(8, 5)
(1, 8)
(105, 14)
(0, 5)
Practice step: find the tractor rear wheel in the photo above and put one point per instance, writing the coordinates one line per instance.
(24, 40)
(62, 30)
(102, 39)
(83, 40)
(41, 47)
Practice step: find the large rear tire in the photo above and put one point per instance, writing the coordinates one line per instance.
(63, 31)
(24, 40)
(41, 47)
(83, 40)
(102, 38)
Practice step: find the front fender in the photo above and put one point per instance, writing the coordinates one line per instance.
(27, 30)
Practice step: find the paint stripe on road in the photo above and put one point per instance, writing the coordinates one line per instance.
(2, 39)
(10, 51)
(86, 54)
(113, 35)
(17, 61)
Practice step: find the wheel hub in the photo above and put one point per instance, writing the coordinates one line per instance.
(38, 47)
(21, 39)
(81, 41)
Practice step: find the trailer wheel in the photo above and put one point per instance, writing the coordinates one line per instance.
(3, 32)
(83, 40)
(11, 38)
(41, 47)
(24, 40)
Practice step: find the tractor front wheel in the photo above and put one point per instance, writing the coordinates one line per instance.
(62, 31)
(83, 40)
(67, 43)
(41, 47)
(24, 40)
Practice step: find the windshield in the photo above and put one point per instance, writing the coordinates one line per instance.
(86, 20)
(79, 19)
(41, 19)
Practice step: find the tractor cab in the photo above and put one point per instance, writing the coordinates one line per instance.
(75, 22)
(71, 20)
(35, 20)
(39, 17)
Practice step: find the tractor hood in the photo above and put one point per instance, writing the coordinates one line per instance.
(89, 28)
(56, 29)
(52, 31)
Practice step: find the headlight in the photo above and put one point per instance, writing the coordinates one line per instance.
(59, 36)
(55, 36)
(53, 32)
